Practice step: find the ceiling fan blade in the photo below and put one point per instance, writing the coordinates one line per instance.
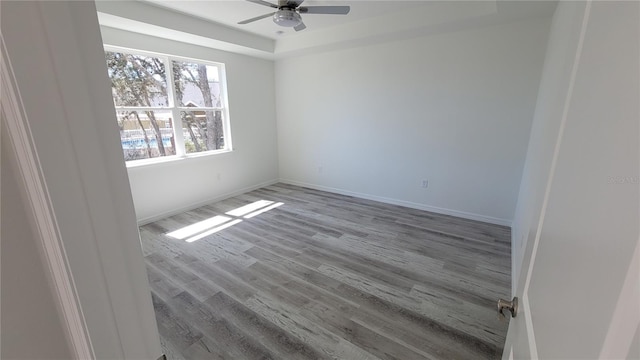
(300, 27)
(334, 10)
(255, 18)
(265, 3)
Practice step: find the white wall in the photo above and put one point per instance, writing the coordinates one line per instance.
(31, 327)
(452, 108)
(165, 189)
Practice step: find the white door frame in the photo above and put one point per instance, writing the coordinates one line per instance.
(61, 120)
(625, 320)
(626, 317)
(524, 303)
(42, 216)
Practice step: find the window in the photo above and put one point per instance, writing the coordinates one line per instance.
(168, 106)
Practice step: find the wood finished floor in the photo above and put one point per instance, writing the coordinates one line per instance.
(326, 276)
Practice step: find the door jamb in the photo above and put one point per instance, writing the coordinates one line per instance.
(526, 308)
(41, 211)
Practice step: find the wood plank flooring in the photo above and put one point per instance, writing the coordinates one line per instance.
(326, 276)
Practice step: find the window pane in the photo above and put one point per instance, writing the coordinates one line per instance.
(202, 130)
(137, 80)
(146, 134)
(196, 84)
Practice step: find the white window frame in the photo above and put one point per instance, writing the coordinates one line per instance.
(175, 110)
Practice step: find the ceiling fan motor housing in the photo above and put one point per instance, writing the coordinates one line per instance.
(287, 18)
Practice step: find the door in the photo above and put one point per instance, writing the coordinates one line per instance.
(578, 286)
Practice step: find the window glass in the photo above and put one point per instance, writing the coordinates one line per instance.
(150, 108)
(146, 134)
(196, 84)
(202, 130)
(137, 80)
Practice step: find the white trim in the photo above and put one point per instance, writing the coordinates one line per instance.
(163, 160)
(40, 207)
(198, 204)
(224, 95)
(528, 323)
(135, 51)
(626, 316)
(443, 211)
(159, 108)
(1, 119)
(434, 209)
(178, 129)
(174, 109)
(563, 121)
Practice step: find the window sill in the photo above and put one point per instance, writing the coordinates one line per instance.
(168, 160)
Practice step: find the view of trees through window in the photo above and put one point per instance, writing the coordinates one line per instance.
(156, 95)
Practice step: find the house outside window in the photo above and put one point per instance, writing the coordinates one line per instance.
(168, 106)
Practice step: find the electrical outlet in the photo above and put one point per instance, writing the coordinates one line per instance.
(425, 183)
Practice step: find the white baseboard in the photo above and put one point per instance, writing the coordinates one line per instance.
(198, 204)
(434, 209)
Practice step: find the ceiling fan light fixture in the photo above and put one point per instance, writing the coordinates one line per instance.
(287, 18)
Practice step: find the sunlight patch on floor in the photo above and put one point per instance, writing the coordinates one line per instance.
(243, 210)
(249, 216)
(213, 231)
(201, 229)
(198, 227)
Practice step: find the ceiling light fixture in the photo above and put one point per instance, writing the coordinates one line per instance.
(287, 18)
(288, 12)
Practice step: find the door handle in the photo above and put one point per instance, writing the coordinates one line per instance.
(512, 306)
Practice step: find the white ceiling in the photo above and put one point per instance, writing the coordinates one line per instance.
(231, 12)
(214, 23)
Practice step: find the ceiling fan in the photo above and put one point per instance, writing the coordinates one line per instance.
(288, 13)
